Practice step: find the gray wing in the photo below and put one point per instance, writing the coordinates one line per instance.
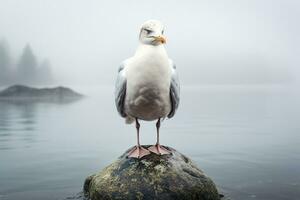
(174, 91)
(120, 90)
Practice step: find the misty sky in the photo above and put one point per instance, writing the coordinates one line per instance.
(241, 41)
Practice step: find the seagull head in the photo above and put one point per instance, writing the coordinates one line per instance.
(152, 33)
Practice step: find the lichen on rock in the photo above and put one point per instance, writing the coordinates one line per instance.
(171, 176)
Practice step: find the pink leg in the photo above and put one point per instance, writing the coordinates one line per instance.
(157, 148)
(138, 151)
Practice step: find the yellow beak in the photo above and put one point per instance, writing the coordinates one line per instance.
(161, 39)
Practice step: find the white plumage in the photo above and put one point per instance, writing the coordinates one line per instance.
(148, 75)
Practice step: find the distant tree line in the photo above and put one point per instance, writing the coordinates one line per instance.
(25, 70)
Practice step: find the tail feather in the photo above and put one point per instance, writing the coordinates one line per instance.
(129, 120)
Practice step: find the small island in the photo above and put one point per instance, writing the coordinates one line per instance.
(21, 92)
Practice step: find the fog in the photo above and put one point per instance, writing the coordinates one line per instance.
(211, 42)
(241, 126)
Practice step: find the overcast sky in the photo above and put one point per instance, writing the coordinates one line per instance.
(241, 41)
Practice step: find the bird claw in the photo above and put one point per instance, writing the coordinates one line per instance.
(138, 152)
(159, 149)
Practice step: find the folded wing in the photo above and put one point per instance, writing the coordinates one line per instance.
(174, 91)
(120, 90)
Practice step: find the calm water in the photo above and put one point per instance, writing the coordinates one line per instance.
(246, 139)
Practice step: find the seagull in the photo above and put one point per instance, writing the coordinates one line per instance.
(147, 86)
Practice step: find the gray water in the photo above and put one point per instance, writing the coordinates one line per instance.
(245, 138)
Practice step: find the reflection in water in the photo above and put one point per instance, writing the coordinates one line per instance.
(246, 139)
(17, 122)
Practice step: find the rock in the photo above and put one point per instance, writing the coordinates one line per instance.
(18, 92)
(153, 177)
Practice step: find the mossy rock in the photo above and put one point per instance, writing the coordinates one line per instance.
(171, 176)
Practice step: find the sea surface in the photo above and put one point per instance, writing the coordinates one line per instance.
(246, 138)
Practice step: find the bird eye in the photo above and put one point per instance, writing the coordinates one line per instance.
(148, 31)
